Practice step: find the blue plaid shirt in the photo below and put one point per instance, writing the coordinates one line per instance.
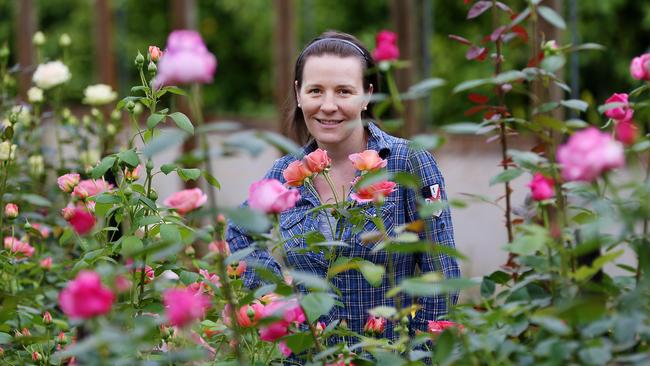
(357, 295)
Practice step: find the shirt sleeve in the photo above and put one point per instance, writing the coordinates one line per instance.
(439, 230)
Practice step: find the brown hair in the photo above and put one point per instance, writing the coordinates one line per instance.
(330, 43)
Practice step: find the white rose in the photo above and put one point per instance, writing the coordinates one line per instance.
(7, 150)
(51, 74)
(35, 95)
(99, 94)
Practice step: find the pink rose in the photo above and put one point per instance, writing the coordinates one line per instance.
(220, 246)
(149, 273)
(640, 67)
(11, 210)
(541, 187)
(270, 196)
(81, 220)
(211, 277)
(386, 46)
(19, 248)
(286, 351)
(183, 306)
(236, 270)
(46, 263)
(42, 229)
(588, 154)
(186, 200)
(85, 297)
(186, 60)
(296, 173)
(439, 326)
(368, 160)
(155, 53)
(249, 315)
(67, 182)
(273, 332)
(90, 187)
(374, 325)
(621, 113)
(289, 312)
(374, 192)
(133, 174)
(626, 132)
(317, 161)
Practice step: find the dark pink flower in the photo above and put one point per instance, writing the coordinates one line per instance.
(588, 153)
(286, 351)
(439, 326)
(85, 297)
(621, 113)
(289, 312)
(183, 306)
(186, 60)
(374, 325)
(186, 200)
(386, 46)
(81, 221)
(270, 196)
(541, 187)
(626, 132)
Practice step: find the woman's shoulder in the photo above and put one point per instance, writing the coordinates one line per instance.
(279, 165)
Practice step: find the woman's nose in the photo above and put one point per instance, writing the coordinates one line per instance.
(329, 103)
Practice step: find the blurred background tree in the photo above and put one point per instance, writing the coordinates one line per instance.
(241, 34)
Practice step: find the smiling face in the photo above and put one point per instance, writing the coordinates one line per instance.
(332, 98)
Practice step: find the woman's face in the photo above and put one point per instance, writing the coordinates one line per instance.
(332, 98)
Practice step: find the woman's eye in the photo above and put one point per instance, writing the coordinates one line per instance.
(344, 92)
(313, 91)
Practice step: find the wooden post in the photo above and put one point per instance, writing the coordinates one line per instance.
(104, 47)
(25, 53)
(284, 45)
(403, 15)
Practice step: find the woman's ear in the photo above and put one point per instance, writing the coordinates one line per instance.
(368, 95)
(297, 91)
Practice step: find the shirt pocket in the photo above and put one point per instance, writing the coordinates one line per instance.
(366, 240)
(294, 224)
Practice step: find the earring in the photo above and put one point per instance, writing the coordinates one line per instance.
(299, 106)
(365, 107)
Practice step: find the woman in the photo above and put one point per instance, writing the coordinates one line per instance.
(332, 94)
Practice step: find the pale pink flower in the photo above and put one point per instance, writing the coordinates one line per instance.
(374, 192)
(91, 187)
(541, 187)
(46, 263)
(588, 154)
(85, 297)
(186, 200)
(11, 210)
(367, 160)
(186, 60)
(155, 53)
(220, 246)
(67, 182)
(270, 196)
(19, 248)
(640, 67)
(183, 306)
(42, 229)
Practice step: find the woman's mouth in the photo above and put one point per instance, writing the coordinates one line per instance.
(329, 122)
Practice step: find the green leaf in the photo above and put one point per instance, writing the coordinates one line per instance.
(170, 233)
(487, 287)
(426, 85)
(154, 119)
(248, 219)
(426, 142)
(383, 311)
(317, 304)
(103, 167)
(385, 358)
(182, 122)
(597, 356)
(298, 342)
(101, 209)
(589, 46)
(509, 76)
(373, 273)
(211, 180)
(131, 244)
(107, 198)
(5, 338)
(36, 200)
(576, 104)
(239, 255)
(309, 280)
(471, 84)
(553, 63)
(167, 168)
(506, 176)
(175, 90)
(551, 16)
(167, 139)
(66, 236)
(189, 174)
(584, 273)
(530, 239)
(130, 157)
(552, 324)
(188, 277)
(444, 347)
(462, 128)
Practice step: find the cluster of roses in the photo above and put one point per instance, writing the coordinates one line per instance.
(21, 247)
(80, 212)
(284, 316)
(589, 153)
